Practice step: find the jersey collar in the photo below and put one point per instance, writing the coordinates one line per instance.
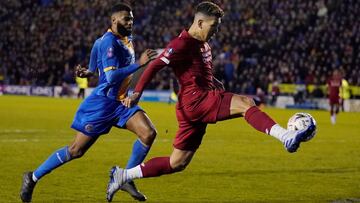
(185, 34)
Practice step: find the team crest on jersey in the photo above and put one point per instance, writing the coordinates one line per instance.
(89, 128)
(168, 52)
(110, 52)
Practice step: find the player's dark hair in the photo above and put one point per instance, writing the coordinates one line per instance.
(120, 7)
(210, 9)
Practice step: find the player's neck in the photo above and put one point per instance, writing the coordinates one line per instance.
(193, 32)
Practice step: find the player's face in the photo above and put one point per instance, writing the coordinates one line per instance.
(336, 73)
(123, 21)
(210, 27)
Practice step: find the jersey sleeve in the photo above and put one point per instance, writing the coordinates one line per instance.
(175, 53)
(115, 76)
(93, 58)
(148, 74)
(109, 58)
(111, 63)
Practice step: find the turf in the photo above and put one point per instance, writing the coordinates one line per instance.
(234, 163)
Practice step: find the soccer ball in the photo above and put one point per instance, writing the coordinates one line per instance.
(301, 121)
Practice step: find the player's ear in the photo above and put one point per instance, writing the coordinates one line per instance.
(200, 23)
(113, 19)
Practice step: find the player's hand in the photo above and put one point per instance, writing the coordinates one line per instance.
(81, 72)
(147, 56)
(131, 100)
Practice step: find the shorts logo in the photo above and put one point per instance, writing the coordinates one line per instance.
(110, 52)
(168, 52)
(89, 128)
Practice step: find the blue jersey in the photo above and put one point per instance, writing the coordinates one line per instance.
(114, 58)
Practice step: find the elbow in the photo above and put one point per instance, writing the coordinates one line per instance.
(112, 80)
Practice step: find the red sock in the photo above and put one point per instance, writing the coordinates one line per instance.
(259, 120)
(156, 167)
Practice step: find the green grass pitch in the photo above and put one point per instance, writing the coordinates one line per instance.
(235, 163)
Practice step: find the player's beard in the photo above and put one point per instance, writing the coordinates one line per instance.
(209, 36)
(122, 30)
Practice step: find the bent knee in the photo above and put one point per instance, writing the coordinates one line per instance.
(247, 101)
(75, 152)
(240, 104)
(179, 166)
(148, 136)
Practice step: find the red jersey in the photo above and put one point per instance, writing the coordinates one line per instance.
(334, 84)
(191, 61)
(200, 102)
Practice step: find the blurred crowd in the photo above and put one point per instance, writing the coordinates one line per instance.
(260, 42)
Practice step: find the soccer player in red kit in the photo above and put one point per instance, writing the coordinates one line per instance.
(334, 85)
(201, 100)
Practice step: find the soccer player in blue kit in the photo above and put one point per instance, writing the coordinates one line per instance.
(113, 56)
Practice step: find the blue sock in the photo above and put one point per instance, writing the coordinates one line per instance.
(138, 154)
(55, 160)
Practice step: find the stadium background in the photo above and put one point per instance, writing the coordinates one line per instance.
(260, 44)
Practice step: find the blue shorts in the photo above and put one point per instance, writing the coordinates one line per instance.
(97, 114)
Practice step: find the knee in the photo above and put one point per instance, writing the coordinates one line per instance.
(148, 136)
(248, 102)
(241, 104)
(179, 165)
(75, 151)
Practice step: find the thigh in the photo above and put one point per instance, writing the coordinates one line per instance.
(139, 123)
(189, 135)
(210, 106)
(201, 107)
(234, 106)
(224, 109)
(124, 114)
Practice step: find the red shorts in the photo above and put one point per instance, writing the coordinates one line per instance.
(194, 115)
(334, 100)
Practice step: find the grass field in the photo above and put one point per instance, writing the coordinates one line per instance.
(234, 164)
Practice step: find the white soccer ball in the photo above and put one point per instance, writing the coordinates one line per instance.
(301, 121)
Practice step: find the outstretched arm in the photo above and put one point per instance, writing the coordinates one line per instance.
(115, 75)
(148, 74)
(145, 78)
(177, 52)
